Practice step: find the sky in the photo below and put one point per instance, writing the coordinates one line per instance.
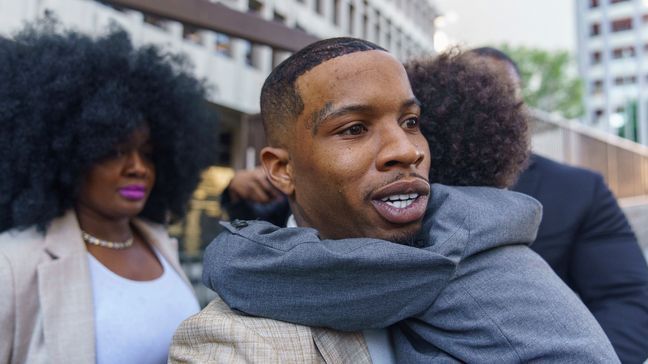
(546, 24)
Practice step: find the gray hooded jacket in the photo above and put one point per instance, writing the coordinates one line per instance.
(470, 291)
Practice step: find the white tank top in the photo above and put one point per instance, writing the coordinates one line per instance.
(135, 320)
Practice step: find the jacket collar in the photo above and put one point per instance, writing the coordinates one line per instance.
(480, 217)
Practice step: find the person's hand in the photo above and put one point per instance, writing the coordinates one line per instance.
(252, 185)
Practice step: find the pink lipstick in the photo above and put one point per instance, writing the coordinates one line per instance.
(133, 192)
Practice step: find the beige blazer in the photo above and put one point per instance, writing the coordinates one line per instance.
(46, 309)
(219, 335)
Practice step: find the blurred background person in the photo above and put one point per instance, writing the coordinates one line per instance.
(102, 144)
(585, 237)
(250, 196)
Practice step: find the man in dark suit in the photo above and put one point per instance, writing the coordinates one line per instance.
(587, 240)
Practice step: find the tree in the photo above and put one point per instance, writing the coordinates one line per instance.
(549, 81)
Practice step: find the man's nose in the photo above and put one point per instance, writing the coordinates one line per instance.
(398, 149)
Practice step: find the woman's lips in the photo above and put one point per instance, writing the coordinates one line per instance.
(134, 192)
(402, 202)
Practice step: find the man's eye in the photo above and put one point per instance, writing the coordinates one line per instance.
(356, 129)
(411, 123)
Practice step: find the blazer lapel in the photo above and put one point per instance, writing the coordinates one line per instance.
(65, 292)
(341, 347)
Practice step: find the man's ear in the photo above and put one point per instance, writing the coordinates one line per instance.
(276, 163)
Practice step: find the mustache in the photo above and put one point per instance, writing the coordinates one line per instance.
(400, 175)
(396, 177)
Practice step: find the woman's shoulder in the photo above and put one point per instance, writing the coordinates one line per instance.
(21, 250)
(20, 241)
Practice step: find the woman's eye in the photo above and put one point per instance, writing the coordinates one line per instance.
(411, 123)
(115, 154)
(356, 129)
(147, 152)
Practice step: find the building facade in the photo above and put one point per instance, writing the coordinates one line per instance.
(612, 46)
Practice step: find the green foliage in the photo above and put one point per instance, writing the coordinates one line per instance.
(549, 80)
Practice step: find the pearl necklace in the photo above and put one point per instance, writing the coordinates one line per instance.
(105, 243)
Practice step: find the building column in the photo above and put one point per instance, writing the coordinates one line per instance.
(357, 19)
(582, 32)
(607, 80)
(328, 10)
(343, 17)
(370, 31)
(642, 122)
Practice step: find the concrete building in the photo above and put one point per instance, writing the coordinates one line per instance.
(612, 41)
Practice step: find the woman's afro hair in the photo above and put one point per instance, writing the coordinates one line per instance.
(67, 99)
(474, 124)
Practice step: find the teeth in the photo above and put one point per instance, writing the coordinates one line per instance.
(400, 204)
(404, 197)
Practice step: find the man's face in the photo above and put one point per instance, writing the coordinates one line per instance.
(358, 160)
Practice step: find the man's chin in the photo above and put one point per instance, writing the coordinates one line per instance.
(404, 236)
(405, 239)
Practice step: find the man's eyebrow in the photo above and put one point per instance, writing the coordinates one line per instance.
(320, 116)
(411, 102)
(325, 113)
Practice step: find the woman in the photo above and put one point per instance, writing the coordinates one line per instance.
(102, 143)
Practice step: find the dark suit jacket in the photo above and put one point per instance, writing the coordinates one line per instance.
(587, 240)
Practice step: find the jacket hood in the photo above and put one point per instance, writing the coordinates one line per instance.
(485, 217)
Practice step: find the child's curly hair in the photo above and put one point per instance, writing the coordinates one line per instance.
(474, 124)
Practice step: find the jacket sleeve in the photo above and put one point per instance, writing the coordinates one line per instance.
(493, 311)
(610, 274)
(217, 335)
(291, 275)
(7, 310)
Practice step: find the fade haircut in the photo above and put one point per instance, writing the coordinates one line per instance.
(281, 103)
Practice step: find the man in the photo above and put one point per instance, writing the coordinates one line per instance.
(346, 149)
(586, 239)
(390, 158)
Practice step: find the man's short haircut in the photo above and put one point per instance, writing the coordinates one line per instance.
(498, 55)
(281, 103)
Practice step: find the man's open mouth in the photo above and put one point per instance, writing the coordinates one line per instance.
(402, 202)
